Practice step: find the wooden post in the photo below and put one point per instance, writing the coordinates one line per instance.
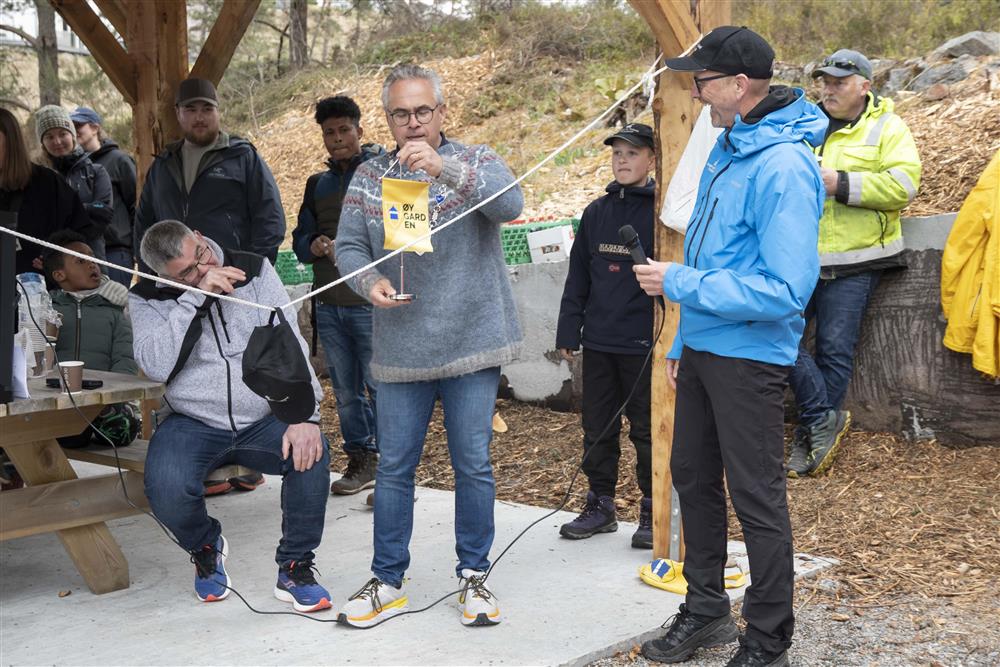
(676, 25)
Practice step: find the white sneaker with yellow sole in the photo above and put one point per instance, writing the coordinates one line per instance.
(478, 603)
(374, 603)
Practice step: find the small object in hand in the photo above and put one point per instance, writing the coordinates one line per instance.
(63, 594)
(401, 297)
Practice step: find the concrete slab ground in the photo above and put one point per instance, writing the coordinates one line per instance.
(563, 602)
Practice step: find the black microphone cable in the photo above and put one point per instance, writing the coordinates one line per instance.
(166, 531)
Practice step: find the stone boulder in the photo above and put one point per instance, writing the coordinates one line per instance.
(976, 43)
(946, 72)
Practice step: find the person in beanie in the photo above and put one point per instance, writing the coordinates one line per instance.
(602, 298)
(217, 184)
(749, 268)
(871, 170)
(343, 318)
(120, 166)
(91, 182)
(43, 201)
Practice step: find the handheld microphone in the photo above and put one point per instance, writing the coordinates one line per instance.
(630, 239)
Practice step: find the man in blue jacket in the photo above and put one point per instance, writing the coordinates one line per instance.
(218, 185)
(750, 265)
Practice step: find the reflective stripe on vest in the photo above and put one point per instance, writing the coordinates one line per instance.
(862, 254)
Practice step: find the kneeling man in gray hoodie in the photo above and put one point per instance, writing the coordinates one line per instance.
(195, 345)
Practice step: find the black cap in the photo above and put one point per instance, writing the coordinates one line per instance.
(275, 368)
(196, 90)
(729, 50)
(636, 134)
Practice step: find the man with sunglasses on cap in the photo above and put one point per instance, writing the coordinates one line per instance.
(871, 170)
(216, 184)
(749, 268)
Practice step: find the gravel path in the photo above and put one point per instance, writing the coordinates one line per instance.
(911, 631)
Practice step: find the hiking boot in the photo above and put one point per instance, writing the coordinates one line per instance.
(752, 654)
(824, 439)
(798, 458)
(297, 584)
(247, 482)
(642, 538)
(211, 583)
(686, 633)
(375, 602)
(479, 605)
(598, 516)
(360, 474)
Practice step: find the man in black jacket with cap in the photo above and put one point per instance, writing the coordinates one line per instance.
(218, 185)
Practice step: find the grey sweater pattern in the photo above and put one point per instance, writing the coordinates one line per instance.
(463, 318)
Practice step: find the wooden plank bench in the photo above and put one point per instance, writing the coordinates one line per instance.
(131, 458)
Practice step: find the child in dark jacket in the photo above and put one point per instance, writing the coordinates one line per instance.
(94, 329)
(603, 299)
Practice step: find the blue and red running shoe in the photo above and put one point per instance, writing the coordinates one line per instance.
(297, 584)
(211, 583)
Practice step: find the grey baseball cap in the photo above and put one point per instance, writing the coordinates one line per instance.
(844, 63)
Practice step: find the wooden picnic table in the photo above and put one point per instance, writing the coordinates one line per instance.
(54, 499)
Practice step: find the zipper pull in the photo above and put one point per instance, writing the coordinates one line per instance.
(621, 193)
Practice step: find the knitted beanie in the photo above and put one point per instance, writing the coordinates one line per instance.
(52, 116)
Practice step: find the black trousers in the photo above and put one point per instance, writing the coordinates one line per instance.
(607, 380)
(729, 421)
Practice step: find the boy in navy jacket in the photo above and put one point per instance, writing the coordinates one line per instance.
(602, 298)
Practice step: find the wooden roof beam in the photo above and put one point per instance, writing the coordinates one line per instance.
(228, 30)
(114, 11)
(108, 53)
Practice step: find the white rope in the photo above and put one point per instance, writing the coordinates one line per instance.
(551, 156)
(111, 265)
(644, 83)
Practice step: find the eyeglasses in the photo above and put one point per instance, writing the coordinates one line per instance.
(698, 83)
(199, 260)
(401, 117)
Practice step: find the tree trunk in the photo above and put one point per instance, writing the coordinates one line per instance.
(48, 54)
(298, 15)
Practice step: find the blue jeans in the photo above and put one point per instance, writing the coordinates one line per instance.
(819, 381)
(121, 257)
(404, 412)
(346, 335)
(183, 450)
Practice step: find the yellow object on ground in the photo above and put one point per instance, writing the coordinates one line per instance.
(499, 425)
(668, 575)
(970, 275)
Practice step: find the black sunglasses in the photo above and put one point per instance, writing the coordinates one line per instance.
(842, 64)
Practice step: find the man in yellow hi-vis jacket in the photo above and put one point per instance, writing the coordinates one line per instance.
(871, 171)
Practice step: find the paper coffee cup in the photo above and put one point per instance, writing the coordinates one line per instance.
(71, 373)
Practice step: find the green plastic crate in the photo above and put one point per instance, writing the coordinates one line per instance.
(291, 270)
(514, 238)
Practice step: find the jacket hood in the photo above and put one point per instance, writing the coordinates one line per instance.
(106, 146)
(108, 292)
(67, 163)
(647, 190)
(784, 116)
(368, 151)
(230, 143)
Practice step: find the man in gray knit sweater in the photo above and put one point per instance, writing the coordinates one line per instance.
(448, 342)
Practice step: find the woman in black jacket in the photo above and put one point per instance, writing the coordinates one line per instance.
(91, 182)
(44, 203)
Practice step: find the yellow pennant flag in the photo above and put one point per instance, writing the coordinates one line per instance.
(405, 215)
